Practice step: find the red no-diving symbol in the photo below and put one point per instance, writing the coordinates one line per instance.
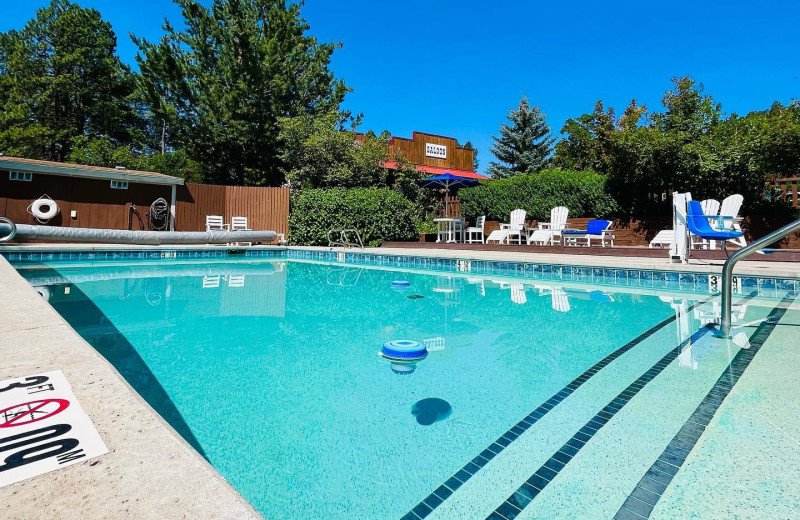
(33, 411)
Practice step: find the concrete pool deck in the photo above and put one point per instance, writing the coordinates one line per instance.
(150, 471)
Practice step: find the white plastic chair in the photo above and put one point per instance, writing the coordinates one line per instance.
(730, 208)
(476, 230)
(558, 222)
(515, 227)
(216, 223)
(240, 224)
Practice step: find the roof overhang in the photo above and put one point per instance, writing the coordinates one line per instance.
(436, 170)
(76, 170)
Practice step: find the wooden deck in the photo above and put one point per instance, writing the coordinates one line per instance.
(785, 255)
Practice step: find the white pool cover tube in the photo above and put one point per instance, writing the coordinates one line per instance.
(120, 236)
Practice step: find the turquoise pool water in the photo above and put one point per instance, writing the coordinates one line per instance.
(270, 369)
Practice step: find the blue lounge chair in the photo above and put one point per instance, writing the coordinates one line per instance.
(698, 225)
(597, 229)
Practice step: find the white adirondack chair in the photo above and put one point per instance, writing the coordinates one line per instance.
(216, 223)
(515, 226)
(558, 222)
(475, 231)
(240, 224)
(730, 208)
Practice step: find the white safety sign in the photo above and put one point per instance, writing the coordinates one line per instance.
(42, 427)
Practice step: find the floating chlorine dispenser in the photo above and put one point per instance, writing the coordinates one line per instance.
(400, 285)
(404, 350)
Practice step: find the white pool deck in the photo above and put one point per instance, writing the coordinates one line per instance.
(152, 473)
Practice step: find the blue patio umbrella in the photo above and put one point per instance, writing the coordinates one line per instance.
(447, 181)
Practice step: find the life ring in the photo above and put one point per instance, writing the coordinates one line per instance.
(38, 211)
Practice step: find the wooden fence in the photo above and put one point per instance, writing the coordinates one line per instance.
(265, 208)
(785, 188)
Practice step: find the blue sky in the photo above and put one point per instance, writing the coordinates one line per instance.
(456, 68)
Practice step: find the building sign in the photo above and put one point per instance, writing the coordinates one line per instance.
(437, 151)
(42, 427)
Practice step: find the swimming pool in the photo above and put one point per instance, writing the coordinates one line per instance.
(538, 398)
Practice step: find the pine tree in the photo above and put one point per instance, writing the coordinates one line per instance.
(222, 81)
(61, 80)
(524, 146)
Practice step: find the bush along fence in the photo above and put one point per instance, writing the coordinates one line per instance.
(379, 214)
(582, 192)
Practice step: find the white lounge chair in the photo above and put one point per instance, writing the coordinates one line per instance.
(216, 223)
(665, 237)
(730, 208)
(516, 225)
(558, 222)
(515, 228)
(240, 224)
(476, 231)
(597, 229)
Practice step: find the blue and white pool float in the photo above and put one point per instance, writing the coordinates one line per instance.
(400, 283)
(404, 350)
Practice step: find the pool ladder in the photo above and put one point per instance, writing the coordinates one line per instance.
(727, 269)
(344, 238)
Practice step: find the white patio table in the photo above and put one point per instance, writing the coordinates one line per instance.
(450, 228)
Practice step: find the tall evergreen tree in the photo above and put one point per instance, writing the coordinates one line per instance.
(524, 146)
(222, 83)
(60, 79)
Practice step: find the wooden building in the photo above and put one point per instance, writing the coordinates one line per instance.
(434, 154)
(87, 196)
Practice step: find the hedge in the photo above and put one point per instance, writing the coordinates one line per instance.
(377, 213)
(582, 192)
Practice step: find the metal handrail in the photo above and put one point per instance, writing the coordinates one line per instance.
(727, 269)
(344, 239)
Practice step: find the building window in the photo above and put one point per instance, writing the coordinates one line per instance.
(20, 176)
(119, 185)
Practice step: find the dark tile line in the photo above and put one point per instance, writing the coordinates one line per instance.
(440, 494)
(523, 496)
(645, 495)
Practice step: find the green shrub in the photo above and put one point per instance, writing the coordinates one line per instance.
(378, 214)
(582, 192)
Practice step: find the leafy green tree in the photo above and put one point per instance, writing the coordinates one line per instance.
(222, 83)
(60, 79)
(524, 145)
(587, 144)
(320, 152)
(103, 151)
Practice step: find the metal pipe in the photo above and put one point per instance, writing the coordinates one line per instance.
(120, 236)
(727, 269)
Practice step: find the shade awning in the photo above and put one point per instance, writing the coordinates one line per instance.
(435, 170)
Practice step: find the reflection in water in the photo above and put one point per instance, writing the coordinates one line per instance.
(162, 298)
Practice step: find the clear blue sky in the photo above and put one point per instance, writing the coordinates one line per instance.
(456, 68)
